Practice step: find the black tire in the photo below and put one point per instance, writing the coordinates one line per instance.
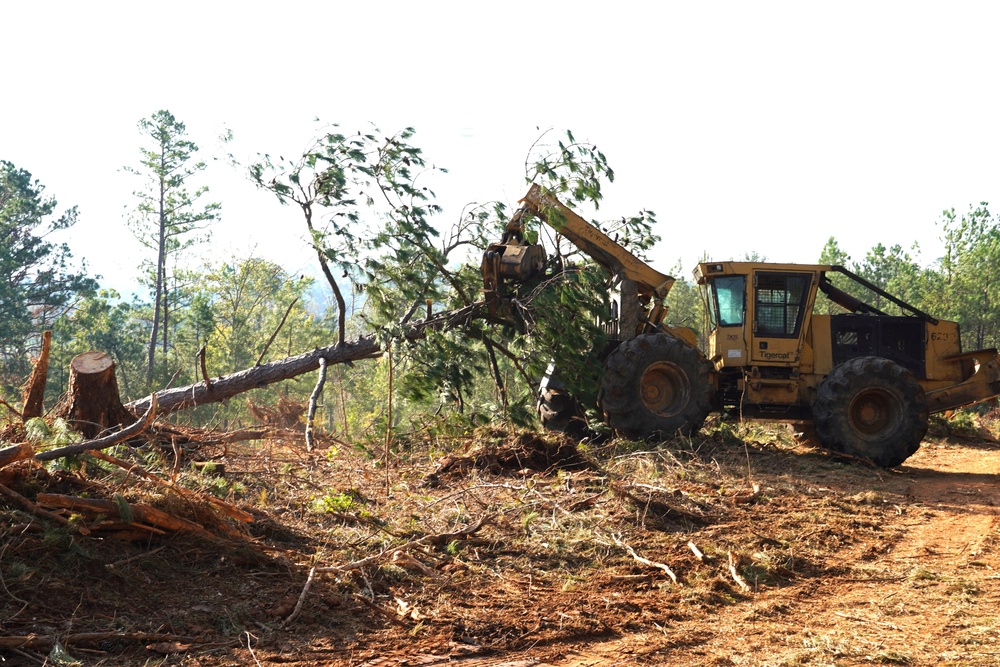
(872, 408)
(558, 410)
(654, 387)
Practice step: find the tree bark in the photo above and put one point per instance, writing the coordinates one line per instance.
(313, 402)
(227, 386)
(34, 390)
(16, 453)
(93, 403)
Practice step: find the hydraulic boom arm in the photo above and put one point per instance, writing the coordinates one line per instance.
(605, 251)
(515, 260)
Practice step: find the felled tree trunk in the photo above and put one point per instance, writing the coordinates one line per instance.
(93, 403)
(225, 387)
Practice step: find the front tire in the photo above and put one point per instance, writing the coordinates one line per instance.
(872, 408)
(654, 387)
(558, 410)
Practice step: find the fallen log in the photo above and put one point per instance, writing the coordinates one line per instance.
(139, 513)
(227, 386)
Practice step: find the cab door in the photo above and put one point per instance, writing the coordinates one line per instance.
(782, 303)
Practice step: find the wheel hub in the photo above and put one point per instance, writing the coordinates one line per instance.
(664, 389)
(874, 413)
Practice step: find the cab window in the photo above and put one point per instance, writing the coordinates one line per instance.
(729, 305)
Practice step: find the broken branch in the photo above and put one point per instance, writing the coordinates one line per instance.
(106, 441)
(313, 402)
(302, 597)
(204, 367)
(645, 561)
(274, 335)
(36, 510)
(740, 581)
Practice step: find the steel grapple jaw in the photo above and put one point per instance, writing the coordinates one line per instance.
(512, 260)
(509, 263)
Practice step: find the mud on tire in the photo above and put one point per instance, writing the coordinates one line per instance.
(559, 411)
(654, 387)
(873, 408)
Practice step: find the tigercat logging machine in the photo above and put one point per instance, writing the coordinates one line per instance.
(864, 379)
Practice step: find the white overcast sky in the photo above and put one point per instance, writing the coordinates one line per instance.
(746, 126)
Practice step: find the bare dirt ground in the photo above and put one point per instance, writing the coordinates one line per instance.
(507, 550)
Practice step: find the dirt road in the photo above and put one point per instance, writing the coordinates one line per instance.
(927, 594)
(932, 597)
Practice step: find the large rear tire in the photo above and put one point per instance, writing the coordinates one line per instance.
(654, 387)
(872, 408)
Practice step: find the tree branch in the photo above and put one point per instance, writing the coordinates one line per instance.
(106, 441)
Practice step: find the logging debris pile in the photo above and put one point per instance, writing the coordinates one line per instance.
(737, 542)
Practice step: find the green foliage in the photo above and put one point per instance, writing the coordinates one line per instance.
(896, 272)
(963, 422)
(241, 303)
(37, 280)
(970, 272)
(963, 285)
(168, 218)
(56, 434)
(240, 310)
(336, 502)
(123, 508)
(574, 171)
(686, 304)
(562, 315)
(369, 215)
(101, 321)
(60, 657)
(893, 270)
(562, 312)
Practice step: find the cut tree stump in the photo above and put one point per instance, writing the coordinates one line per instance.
(93, 403)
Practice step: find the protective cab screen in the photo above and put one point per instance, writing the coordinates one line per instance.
(779, 302)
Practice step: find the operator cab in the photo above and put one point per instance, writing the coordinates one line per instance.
(758, 312)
